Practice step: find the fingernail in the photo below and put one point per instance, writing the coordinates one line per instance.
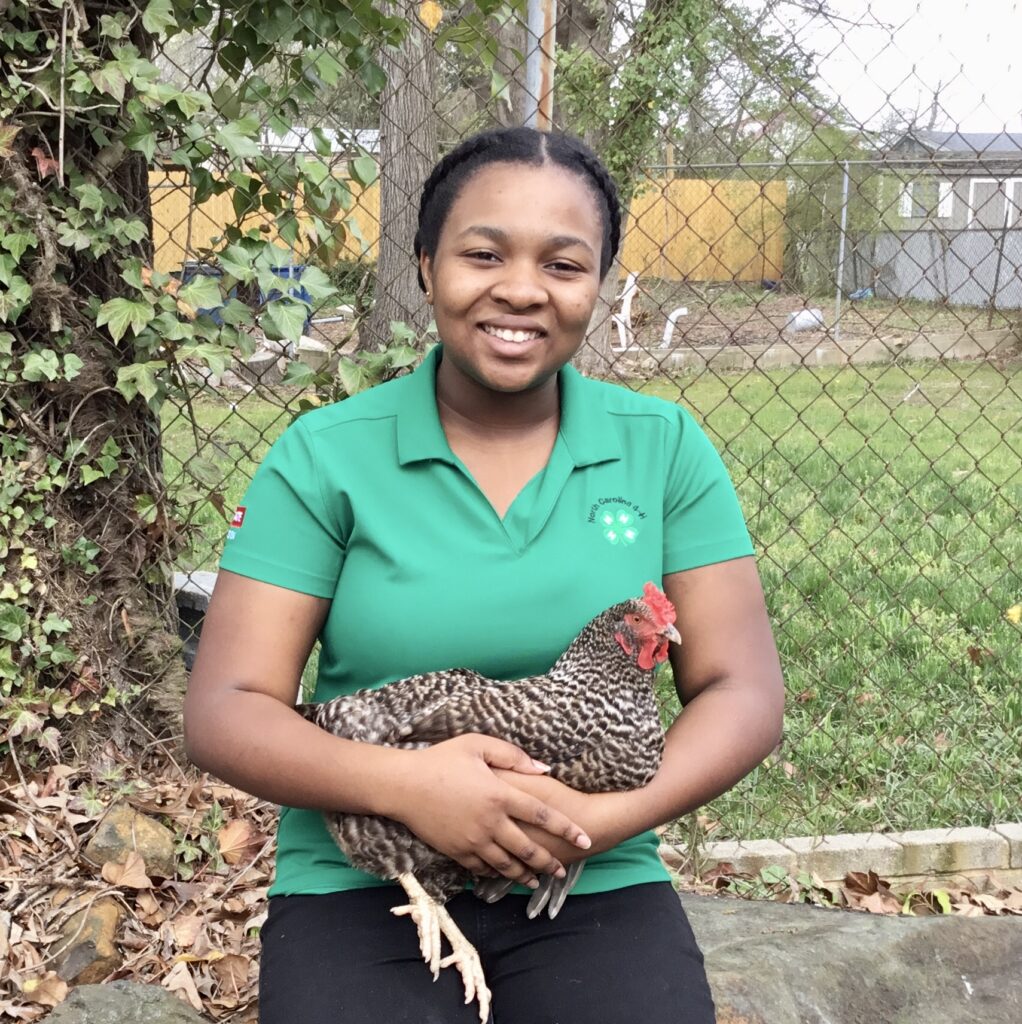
(533, 883)
(560, 873)
(583, 842)
(542, 767)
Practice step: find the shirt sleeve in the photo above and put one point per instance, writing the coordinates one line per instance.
(284, 532)
(703, 522)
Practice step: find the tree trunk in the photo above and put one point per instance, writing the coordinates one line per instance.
(81, 555)
(408, 150)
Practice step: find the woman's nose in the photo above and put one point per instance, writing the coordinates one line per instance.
(519, 286)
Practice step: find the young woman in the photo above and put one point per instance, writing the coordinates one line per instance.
(478, 512)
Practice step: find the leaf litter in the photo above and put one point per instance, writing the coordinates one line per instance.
(197, 934)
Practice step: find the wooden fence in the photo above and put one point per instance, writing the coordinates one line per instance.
(678, 229)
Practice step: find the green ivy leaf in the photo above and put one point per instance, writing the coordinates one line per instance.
(8, 264)
(120, 314)
(90, 198)
(90, 474)
(72, 366)
(17, 242)
(202, 292)
(364, 170)
(299, 375)
(285, 318)
(216, 357)
(236, 138)
(237, 262)
(111, 27)
(373, 77)
(353, 377)
(14, 298)
(140, 379)
(41, 365)
(159, 16)
(110, 79)
(317, 284)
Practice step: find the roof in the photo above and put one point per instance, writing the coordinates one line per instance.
(991, 144)
(299, 138)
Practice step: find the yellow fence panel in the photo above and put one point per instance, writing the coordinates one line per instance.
(694, 230)
(678, 230)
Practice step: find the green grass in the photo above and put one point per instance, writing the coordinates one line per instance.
(887, 524)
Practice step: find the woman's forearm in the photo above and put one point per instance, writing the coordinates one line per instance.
(722, 734)
(255, 742)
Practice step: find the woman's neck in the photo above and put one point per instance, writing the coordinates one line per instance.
(468, 407)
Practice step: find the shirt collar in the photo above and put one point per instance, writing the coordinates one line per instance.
(587, 431)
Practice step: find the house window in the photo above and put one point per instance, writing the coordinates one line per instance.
(995, 204)
(945, 199)
(926, 199)
(905, 201)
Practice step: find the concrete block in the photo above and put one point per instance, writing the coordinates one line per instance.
(194, 589)
(948, 850)
(1013, 833)
(260, 368)
(749, 856)
(832, 857)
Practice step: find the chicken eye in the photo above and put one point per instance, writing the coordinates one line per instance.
(633, 619)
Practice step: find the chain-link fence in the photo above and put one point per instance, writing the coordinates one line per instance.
(823, 261)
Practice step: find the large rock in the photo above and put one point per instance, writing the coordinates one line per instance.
(774, 963)
(123, 829)
(123, 1002)
(87, 949)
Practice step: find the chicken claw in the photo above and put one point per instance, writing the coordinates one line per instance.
(432, 920)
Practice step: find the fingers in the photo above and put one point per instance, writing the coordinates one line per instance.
(501, 754)
(535, 812)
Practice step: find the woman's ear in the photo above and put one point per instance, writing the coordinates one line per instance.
(426, 270)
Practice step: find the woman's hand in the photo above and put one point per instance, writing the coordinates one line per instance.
(598, 813)
(451, 797)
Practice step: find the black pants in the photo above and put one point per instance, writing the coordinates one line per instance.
(619, 957)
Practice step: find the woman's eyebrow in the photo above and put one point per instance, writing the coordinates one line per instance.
(501, 237)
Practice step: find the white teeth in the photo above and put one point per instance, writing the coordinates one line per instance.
(516, 336)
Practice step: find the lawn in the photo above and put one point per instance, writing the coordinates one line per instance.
(884, 502)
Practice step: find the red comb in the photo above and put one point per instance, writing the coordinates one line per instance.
(659, 604)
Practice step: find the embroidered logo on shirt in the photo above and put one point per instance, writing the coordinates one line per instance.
(619, 519)
(239, 517)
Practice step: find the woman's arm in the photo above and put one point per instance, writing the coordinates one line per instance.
(729, 680)
(240, 724)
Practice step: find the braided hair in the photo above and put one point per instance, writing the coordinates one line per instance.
(516, 146)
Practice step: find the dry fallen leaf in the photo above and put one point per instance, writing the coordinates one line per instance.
(232, 973)
(180, 980)
(239, 841)
(131, 874)
(49, 990)
(186, 929)
(45, 165)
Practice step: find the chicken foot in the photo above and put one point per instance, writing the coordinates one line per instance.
(433, 921)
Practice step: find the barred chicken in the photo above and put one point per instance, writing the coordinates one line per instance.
(592, 718)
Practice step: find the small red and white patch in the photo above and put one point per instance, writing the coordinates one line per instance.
(239, 516)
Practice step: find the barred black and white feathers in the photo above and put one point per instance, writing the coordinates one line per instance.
(592, 718)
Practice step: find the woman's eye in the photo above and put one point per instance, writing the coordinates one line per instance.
(565, 268)
(482, 255)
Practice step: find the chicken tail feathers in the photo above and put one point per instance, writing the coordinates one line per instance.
(489, 890)
(553, 891)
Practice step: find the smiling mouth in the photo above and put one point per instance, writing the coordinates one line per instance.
(515, 337)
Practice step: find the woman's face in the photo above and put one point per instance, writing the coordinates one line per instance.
(516, 274)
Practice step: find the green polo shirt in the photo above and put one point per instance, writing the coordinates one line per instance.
(364, 503)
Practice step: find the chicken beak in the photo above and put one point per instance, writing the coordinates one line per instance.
(670, 633)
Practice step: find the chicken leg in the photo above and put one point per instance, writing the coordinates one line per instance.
(432, 920)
